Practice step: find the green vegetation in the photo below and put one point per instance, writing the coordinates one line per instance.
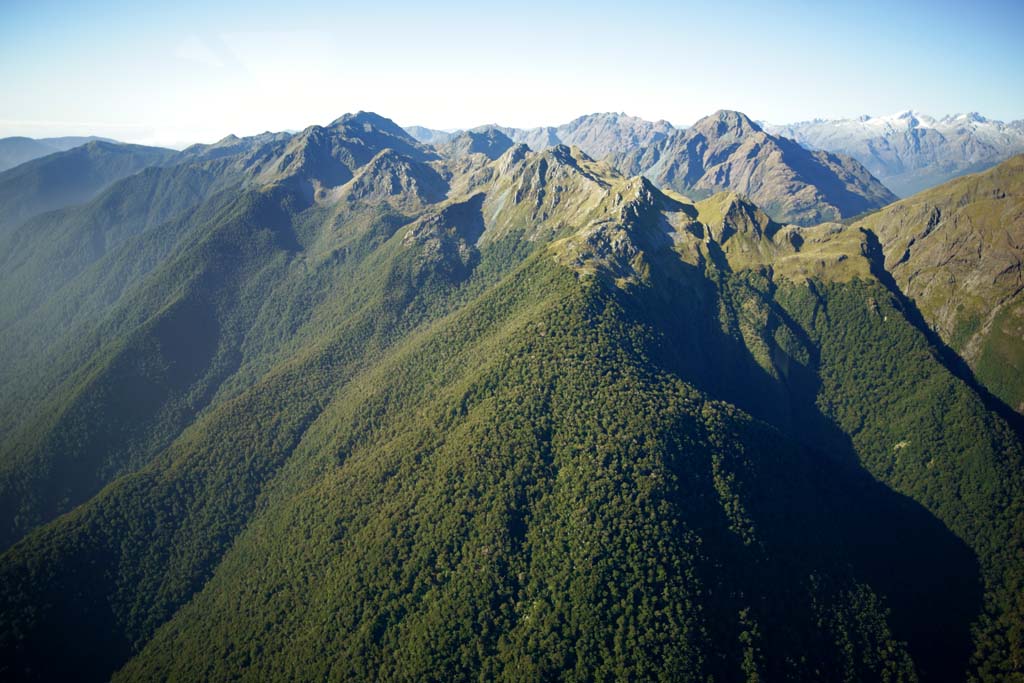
(69, 177)
(1000, 362)
(508, 419)
(956, 252)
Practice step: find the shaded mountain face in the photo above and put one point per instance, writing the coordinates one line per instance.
(728, 151)
(15, 151)
(70, 177)
(911, 152)
(957, 251)
(334, 406)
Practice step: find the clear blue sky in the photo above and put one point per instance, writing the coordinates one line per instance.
(183, 71)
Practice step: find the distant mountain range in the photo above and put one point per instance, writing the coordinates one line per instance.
(596, 134)
(728, 151)
(341, 404)
(723, 151)
(910, 151)
(70, 177)
(18, 150)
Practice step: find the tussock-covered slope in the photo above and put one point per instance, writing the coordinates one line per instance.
(957, 251)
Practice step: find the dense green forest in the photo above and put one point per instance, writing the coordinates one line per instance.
(308, 409)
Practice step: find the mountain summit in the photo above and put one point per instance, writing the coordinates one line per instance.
(726, 124)
(728, 151)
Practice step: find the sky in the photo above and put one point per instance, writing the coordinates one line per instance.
(184, 71)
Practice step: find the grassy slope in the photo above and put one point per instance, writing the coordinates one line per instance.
(956, 251)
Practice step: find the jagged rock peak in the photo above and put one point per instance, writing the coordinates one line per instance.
(729, 212)
(639, 198)
(566, 154)
(516, 152)
(726, 122)
(393, 175)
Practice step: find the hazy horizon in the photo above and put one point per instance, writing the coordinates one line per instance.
(183, 73)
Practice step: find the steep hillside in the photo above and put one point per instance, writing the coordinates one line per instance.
(367, 413)
(70, 177)
(90, 287)
(957, 252)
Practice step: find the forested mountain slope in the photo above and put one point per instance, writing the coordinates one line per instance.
(366, 411)
(16, 150)
(70, 177)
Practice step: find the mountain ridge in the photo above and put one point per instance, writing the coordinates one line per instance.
(70, 177)
(15, 151)
(342, 406)
(597, 134)
(727, 150)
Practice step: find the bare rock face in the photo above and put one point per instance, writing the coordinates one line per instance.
(728, 151)
(957, 251)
